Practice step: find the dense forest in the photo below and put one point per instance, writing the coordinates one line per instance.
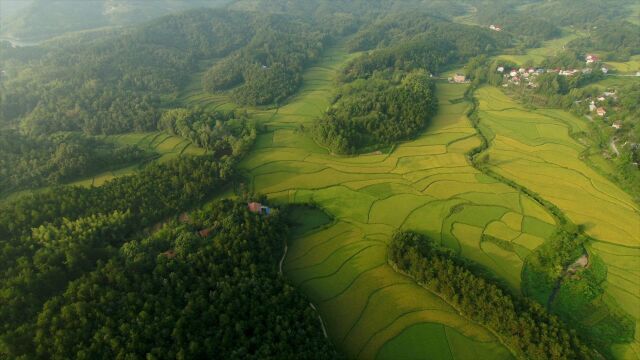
(117, 83)
(580, 13)
(524, 326)
(35, 161)
(41, 19)
(90, 223)
(531, 30)
(416, 41)
(377, 111)
(611, 40)
(183, 294)
(269, 68)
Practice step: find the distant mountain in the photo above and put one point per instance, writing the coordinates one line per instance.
(43, 19)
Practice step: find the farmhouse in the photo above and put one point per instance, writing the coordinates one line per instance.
(500, 69)
(601, 111)
(604, 70)
(617, 125)
(590, 59)
(495, 27)
(513, 72)
(459, 78)
(258, 208)
(592, 106)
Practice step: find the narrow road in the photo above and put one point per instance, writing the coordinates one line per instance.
(284, 255)
(324, 330)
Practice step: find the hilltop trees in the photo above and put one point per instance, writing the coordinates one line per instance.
(377, 111)
(524, 326)
(179, 295)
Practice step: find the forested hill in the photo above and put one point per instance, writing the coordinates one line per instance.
(119, 83)
(43, 19)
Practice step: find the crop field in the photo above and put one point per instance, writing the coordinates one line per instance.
(535, 149)
(166, 146)
(536, 55)
(629, 67)
(425, 185)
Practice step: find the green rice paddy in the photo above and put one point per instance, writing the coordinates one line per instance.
(548, 49)
(535, 149)
(425, 185)
(166, 146)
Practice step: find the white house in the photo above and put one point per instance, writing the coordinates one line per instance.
(500, 69)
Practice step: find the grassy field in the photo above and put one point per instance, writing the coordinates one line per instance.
(535, 150)
(628, 67)
(425, 185)
(166, 146)
(548, 49)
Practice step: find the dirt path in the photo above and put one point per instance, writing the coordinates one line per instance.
(614, 147)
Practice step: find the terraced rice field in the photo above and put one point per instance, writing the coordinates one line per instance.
(548, 49)
(426, 185)
(167, 146)
(627, 67)
(535, 150)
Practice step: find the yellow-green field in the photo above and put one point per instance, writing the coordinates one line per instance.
(425, 185)
(535, 150)
(167, 146)
(536, 55)
(629, 67)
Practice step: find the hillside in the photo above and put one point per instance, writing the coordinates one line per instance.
(43, 19)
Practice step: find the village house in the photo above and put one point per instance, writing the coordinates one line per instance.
(459, 79)
(592, 106)
(601, 98)
(495, 27)
(590, 59)
(257, 208)
(617, 125)
(540, 71)
(531, 70)
(570, 72)
(500, 69)
(604, 70)
(601, 111)
(513, 73)
(522, 70)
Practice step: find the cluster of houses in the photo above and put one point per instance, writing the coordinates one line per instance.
(597, 106)
(515, 76)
